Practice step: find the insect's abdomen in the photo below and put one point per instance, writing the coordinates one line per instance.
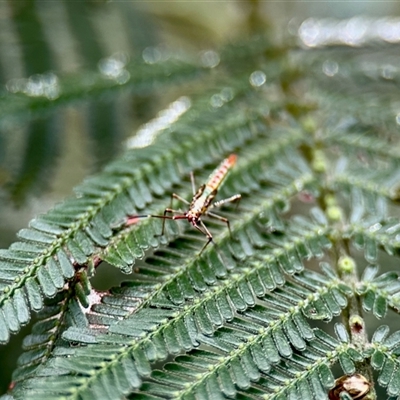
(219, 174)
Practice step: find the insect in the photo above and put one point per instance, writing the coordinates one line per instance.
(357, 386)
(202, 202)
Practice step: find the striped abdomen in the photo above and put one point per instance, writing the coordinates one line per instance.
(219, 174)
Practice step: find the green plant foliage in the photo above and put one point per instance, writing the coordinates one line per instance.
(385, 359)
(252, 316)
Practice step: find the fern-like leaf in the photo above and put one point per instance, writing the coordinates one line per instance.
(318, 178)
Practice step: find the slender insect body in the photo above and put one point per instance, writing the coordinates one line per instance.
(219, 174)
(201, 202)
(206, 194)
(199, 206)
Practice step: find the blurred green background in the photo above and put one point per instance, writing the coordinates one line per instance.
(42, 158)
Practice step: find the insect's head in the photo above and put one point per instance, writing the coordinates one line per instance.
(192, 217)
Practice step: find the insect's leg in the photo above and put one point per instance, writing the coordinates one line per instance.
(165, 216)
(235, 197)
(133, 218)
(223, 219)
(219, 203)
(171, 210)
(193, 184)
(176, 196)
(203, 229)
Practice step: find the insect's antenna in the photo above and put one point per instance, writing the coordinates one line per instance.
(134, 218)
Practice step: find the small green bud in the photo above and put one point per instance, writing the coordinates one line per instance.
(334, 213)
(309, 124)
(346, 264)
(319, 161)
(330, 200)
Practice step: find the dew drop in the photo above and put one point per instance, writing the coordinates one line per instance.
(38, 85)
(111, 67)
(389, 30)
(15, 85)
(309, 32)
(330, 68)
(227, 94)
(355, 31)
(151, 55)
(219, 99)
(114, 68)
(389, 71)
(216, 100)
(209, 58)
(257, 78)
